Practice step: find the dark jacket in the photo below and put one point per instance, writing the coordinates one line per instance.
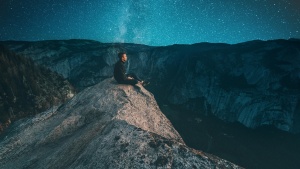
(119, 72)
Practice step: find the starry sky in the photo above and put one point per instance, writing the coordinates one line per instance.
(150, 22)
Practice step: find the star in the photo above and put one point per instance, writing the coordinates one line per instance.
(150, 22)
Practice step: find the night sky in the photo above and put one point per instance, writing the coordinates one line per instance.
(151, 22)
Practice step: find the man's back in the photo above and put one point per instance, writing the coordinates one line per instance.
(119, 72)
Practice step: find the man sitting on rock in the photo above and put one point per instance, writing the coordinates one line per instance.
(120, 72)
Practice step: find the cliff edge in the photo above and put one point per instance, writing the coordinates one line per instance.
(104, 126)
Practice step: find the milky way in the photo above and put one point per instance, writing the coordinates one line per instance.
(151, 22)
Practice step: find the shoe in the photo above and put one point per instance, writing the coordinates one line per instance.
(145, 83)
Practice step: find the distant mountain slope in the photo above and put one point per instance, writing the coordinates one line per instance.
(26, 89)
(255, 83)
(83, 62)
(105, 126)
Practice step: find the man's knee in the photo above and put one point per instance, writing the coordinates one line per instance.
(130, 81)
(134, 82)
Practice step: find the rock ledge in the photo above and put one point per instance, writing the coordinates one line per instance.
(104, 126)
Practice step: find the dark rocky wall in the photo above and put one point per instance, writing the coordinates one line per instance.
(27, 89)
(255, 83)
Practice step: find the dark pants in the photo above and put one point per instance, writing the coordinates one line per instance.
(133, 81)
(134, 76)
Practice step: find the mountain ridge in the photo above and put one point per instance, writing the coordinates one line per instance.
(193, 75)
(253, 83)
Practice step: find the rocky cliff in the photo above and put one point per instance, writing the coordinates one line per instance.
(255, 83)
(27, 89)
(104, 126)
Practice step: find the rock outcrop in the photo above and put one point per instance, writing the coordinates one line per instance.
(104, 126)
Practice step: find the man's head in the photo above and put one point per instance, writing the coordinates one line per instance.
(122, 56)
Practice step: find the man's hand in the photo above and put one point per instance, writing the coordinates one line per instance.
(129, 77)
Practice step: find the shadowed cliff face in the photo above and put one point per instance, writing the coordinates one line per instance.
(27, 89)
(248, 83)
(104, 126)
(255, 83)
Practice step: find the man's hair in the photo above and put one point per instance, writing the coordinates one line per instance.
(120, 54)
